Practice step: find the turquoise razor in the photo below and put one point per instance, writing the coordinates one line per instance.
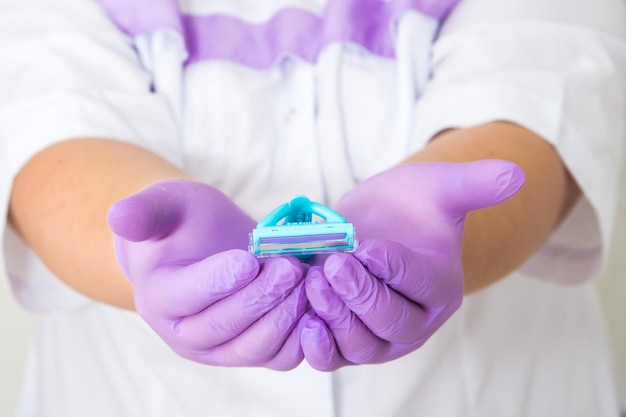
(298, 235)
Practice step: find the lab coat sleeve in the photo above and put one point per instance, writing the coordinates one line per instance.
(67, 72)
(558, 68)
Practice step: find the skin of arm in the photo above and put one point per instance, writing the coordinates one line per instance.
(59, 203)
(500, 239)
(60, 198)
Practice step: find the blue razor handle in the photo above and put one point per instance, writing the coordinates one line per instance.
(298, 235)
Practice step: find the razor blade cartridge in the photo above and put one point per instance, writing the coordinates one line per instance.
(291, 229)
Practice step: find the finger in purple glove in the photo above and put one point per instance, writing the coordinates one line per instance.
(318, 345)
(185, 209)
(273, 340)
(229, 317)
(386, 313)
(414, 274)
(337, 337)
(178, 290)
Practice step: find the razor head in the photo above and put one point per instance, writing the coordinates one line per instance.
(303, 239)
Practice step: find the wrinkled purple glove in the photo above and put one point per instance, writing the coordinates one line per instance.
(406, 278)
(180, 244)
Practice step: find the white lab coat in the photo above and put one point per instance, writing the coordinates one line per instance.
(531, 345)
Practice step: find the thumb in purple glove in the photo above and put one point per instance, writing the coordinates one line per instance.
(181, 244)
(188, 219)
(406, 278)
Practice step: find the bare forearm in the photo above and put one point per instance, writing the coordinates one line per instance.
(499, 239)
(59, 203)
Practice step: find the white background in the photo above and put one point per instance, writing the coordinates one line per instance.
(16, 326)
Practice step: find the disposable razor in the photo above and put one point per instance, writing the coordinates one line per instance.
(291, 229)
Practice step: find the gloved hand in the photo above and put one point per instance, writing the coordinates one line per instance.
(181, 244)
(406, 278)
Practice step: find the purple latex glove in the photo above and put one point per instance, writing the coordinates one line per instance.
(181, 244)
(406, 278)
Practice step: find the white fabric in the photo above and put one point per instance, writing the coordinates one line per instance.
(520, 348)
